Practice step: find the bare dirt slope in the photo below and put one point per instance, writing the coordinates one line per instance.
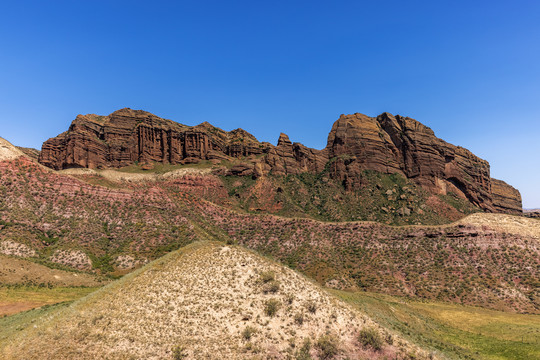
(8, 151)
(515, 225)
(207, 301)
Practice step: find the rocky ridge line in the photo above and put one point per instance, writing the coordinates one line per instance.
(386, 143)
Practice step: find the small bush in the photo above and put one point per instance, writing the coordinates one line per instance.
(299, 318)
(267, 276)
(248, 332)
(271, 307)
(328, 347)
(303, 352)
(369, 337)
(179, 353)
(271, 287)
(311, 306)
(289, 299)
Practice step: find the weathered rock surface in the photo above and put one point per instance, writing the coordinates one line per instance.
(396, 144)
(386, 143)
(506, 198)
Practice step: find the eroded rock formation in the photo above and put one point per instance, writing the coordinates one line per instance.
(396, 144)
(386, 143)
(505, 198)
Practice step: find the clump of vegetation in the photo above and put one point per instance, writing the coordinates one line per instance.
(271, 287)
(369, 337)
(311, 306)
(303, 353)
(271, 307)
(270, 284)
(299, 318)
(179, 353)
(248, 332)
(328, 346)
(267, 276)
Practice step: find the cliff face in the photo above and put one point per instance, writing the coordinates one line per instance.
(506, 198)
(386, 143)
(402, 145)
(127, 136)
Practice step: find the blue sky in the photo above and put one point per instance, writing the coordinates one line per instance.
(468, 69)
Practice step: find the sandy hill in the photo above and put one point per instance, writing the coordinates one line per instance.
(509, 224)
(8, 151)
(208, 301)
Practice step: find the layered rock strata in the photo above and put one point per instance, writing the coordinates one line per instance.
(505, 198)
(386, 143)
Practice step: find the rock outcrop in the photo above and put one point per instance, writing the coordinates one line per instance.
(386, 143)
(396, 144)
(128, 136)
(506, 198)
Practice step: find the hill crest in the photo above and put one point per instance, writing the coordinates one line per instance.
(208, 300)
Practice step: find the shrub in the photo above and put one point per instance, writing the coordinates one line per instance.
(311, 306)
(369, 337)
(299, 318)
(271, 307)
(327, 346)
(303, 352)
(267, 276)
(179, 353)
(289, 299)
(248, 332)
(271, 287)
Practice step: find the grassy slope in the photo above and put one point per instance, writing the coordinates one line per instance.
(15, 299)
(455, 331)
(148, 219)
(390, 199)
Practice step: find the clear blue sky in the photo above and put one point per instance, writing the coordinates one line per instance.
(468, 69)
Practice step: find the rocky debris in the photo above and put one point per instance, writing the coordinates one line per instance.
(243, 169)
(126, 262)
(388, 144)
(404, 211)
(73, 258)
(506, 198)
(13, 248)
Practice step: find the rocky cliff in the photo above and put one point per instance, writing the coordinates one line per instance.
(386, 143)
(396, 144)
(505, 198)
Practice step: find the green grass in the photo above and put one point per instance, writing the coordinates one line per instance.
(49, 300)
(11, 325)
(381, 199)
(451, 330)
(16, 293)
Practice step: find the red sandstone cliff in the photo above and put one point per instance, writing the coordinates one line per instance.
(386, 143)
(403, 145)
(505, 198)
